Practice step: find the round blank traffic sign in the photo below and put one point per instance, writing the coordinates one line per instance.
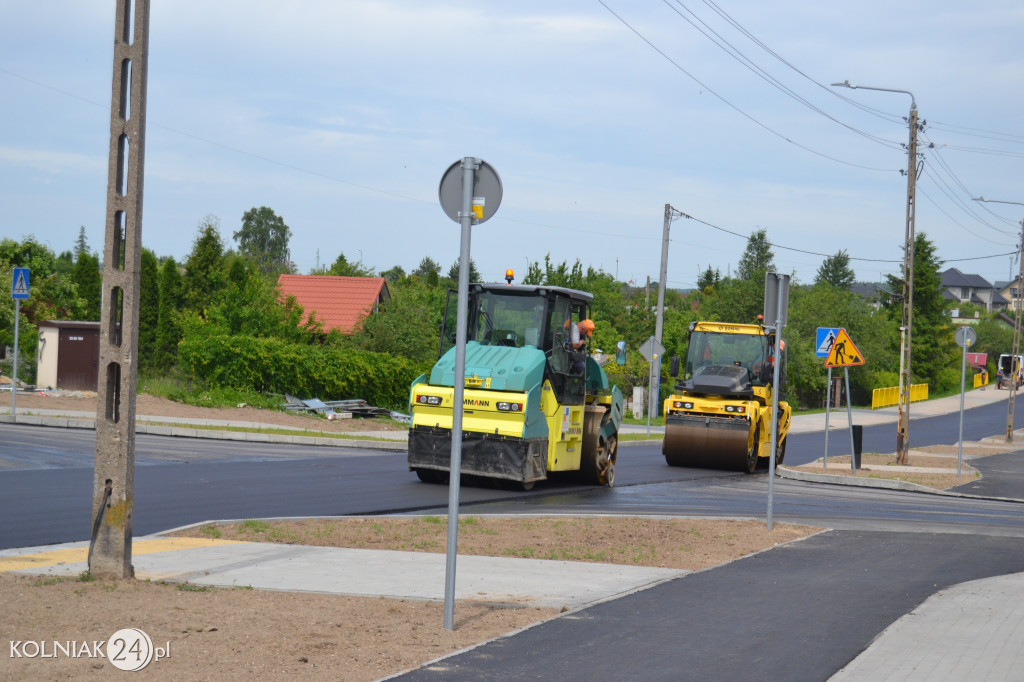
(486, 191)
(965, 335)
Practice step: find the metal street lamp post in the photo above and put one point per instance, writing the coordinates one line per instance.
(1016, 326)
(903, 436)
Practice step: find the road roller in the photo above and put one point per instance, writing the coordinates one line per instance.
(535, 402)
(719, 416)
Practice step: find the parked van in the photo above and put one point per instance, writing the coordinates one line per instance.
(1010, 368)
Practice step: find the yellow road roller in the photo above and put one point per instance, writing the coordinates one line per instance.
(720, 414)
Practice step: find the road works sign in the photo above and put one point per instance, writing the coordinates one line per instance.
(843, 353)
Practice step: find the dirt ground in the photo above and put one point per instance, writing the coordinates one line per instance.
(151, 406)
(242, 633)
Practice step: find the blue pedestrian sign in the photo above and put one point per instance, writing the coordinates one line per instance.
(826, 337)
(19, 283)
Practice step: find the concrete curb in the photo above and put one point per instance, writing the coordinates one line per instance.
(185, 431)
(885, 483)
(836, 479)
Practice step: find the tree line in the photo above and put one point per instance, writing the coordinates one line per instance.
(223, 292)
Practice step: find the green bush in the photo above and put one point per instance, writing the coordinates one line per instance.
(277, 366)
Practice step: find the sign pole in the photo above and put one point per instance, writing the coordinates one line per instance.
(849, 413)
(825, 340)
(470, 193)
(965, 337)
(14, 370)
(469, 166)
(843, 353)
(960, 443)
(652, 350)
(779, 285)
(19, 290)
(828, 409)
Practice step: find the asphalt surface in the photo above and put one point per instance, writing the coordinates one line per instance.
(932, 601)
(800, 612)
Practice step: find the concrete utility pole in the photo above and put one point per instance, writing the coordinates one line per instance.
(110, 549)
(903, 433)
(654, 380)
(903, 430)
(1012, 401)
(670, 215)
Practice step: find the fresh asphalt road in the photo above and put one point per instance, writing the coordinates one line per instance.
(797, 612)
(46, 484)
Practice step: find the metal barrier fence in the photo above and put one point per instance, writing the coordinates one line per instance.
(886, 397)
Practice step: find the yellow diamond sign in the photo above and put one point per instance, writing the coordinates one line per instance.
(843, 353)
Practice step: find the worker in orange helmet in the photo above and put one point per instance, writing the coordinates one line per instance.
(578, 335)
(578, 331)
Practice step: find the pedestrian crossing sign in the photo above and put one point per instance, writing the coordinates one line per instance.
(843, 352)
(823, 343)
(19, 283)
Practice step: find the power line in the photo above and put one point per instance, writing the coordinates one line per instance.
(829, 255)
(757, 41)
(727, 102)
(980, 132)
(736, 54)
(952, 219)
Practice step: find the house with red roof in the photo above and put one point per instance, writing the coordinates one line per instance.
(339, 302)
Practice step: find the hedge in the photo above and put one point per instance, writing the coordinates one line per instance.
(277, 366)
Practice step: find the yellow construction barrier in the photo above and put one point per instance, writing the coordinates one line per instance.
(981, 379)
(886, 397)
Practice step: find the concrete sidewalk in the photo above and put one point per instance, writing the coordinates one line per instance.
(353, 572)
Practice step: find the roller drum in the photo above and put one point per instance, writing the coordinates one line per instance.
(706, 442)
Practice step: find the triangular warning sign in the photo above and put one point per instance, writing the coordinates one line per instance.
(843, 352)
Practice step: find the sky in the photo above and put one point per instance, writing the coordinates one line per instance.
(343, 115)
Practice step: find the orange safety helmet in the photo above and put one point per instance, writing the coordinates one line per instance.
(588, 326)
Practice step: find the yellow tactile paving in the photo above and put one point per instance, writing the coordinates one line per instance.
(77, 554)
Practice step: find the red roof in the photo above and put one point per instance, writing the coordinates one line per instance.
(339, 302)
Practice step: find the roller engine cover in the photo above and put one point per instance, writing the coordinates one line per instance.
(720, 380)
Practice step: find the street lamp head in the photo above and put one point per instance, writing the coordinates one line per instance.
(999, 201)
(847, 84)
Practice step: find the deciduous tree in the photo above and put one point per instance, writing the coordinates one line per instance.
(264, 239)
